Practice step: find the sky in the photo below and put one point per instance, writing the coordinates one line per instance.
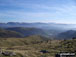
(46, 11)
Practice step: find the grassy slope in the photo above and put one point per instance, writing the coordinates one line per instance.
(21, 41)
(68, 45)
(30, 46)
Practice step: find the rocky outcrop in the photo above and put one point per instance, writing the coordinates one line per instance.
(7, 53)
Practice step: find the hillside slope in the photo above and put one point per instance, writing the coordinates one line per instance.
(29, 31)
(6, 33)
(34, 39)
(67, 46)
(67, 35)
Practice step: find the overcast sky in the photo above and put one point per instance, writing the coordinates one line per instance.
(58, 11)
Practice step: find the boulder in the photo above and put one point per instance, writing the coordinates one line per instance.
(7, 53)
(44, 51)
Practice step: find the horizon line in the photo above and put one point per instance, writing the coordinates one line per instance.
(37, 22)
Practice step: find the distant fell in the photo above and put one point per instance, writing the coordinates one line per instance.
(6, 34)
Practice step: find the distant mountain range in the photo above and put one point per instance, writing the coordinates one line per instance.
(54, 28)
(49, 30)
(38, 25)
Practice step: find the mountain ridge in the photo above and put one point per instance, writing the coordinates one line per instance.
(67, 34)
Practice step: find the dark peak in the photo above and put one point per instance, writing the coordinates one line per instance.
(13, 23)
(71, 31)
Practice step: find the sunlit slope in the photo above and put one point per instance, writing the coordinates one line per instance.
(34, 39)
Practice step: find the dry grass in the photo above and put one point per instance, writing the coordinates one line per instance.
(30, 46)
